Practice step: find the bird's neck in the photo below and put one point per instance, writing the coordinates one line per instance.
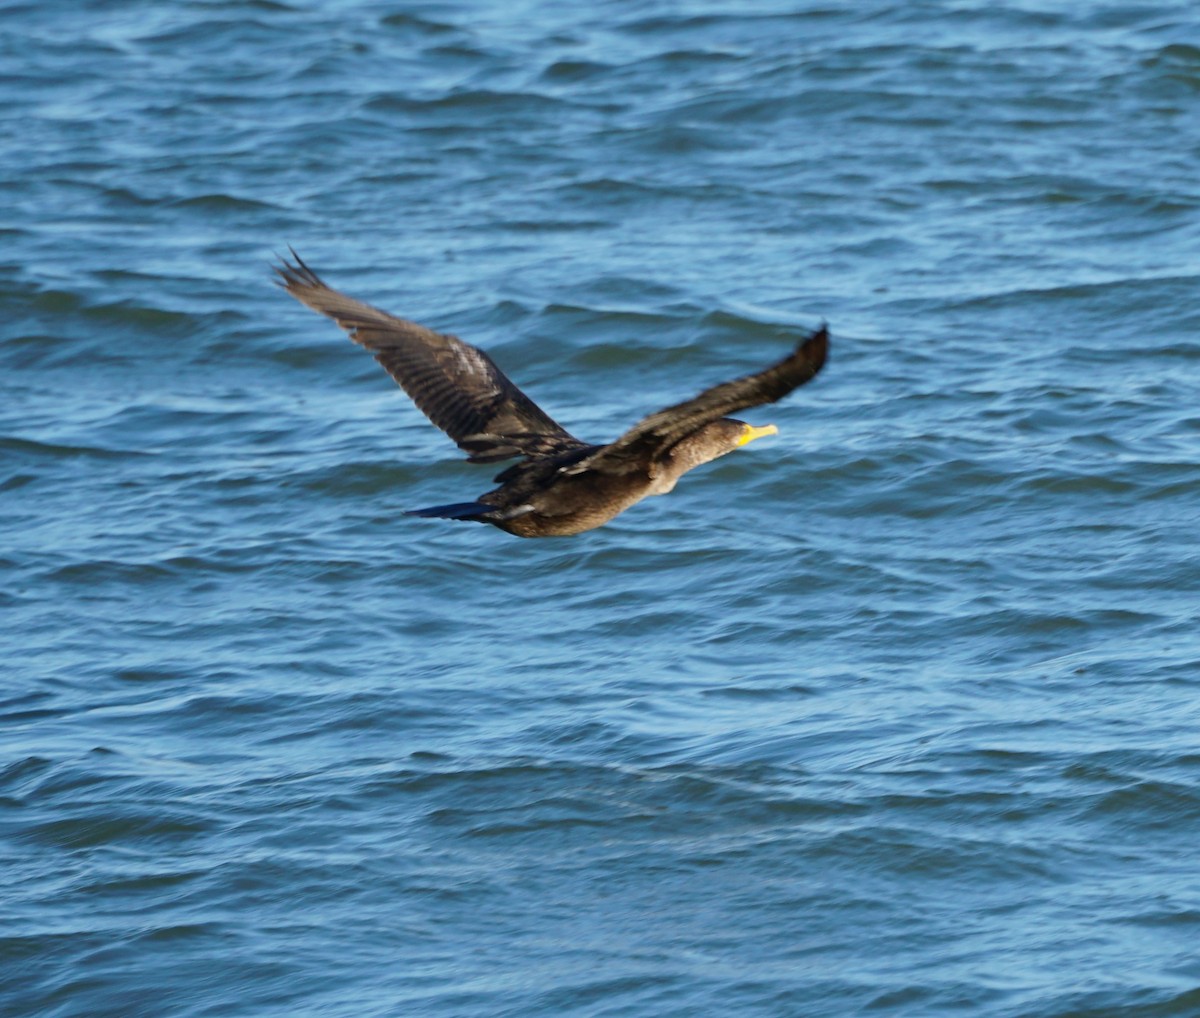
(691, 452)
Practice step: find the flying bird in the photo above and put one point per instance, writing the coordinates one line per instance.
(561, 485)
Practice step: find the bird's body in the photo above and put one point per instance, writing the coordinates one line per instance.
(561, 486)
(562, 501)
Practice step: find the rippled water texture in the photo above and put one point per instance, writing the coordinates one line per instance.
(894, 713)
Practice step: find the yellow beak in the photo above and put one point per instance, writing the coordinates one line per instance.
(751, 433)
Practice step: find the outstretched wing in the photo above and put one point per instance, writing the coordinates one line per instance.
(457, 386)
(653, 436)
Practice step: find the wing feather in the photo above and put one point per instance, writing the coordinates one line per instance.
(654, 435)
(456, 385)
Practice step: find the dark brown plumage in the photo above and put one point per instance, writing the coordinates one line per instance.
(561, 486)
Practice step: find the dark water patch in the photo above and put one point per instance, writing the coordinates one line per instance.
(117, 198)
(574, 70)
(158, 321)
(55, 301)
(468, 102)
(1123, 766)
(760, 334)
(1136, 1002)
(1176, 54)
(1178, 67)
(274, 6)
(18, 777)
(149, 885)
(220, 204)
(659, 802)
(726, 26)
(768, 691)
(541, 226)
(620, 191)
(209, 35)
(1098, 484)
(1095, 301)
(416, 25)
(898, 853)
(87, 574)
(31, 450)
(119, 827)
(1151, 805)
(157, 674)
(1165, 915)
(623, 304)
(1183, 351)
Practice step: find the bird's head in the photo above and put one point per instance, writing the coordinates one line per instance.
(717, 439)
(747, 433)
(727, 434)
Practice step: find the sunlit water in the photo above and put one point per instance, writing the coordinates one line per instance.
(896, 712)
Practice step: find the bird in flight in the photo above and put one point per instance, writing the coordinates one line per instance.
(561, 486)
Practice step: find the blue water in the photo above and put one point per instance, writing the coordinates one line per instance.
(895, 713)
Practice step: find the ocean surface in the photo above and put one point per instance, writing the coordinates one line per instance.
(896, 713)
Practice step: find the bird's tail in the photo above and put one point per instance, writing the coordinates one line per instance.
(456, 511)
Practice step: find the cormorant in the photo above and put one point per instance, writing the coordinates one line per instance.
(561, 486)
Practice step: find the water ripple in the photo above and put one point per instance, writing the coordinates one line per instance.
(894, 711)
